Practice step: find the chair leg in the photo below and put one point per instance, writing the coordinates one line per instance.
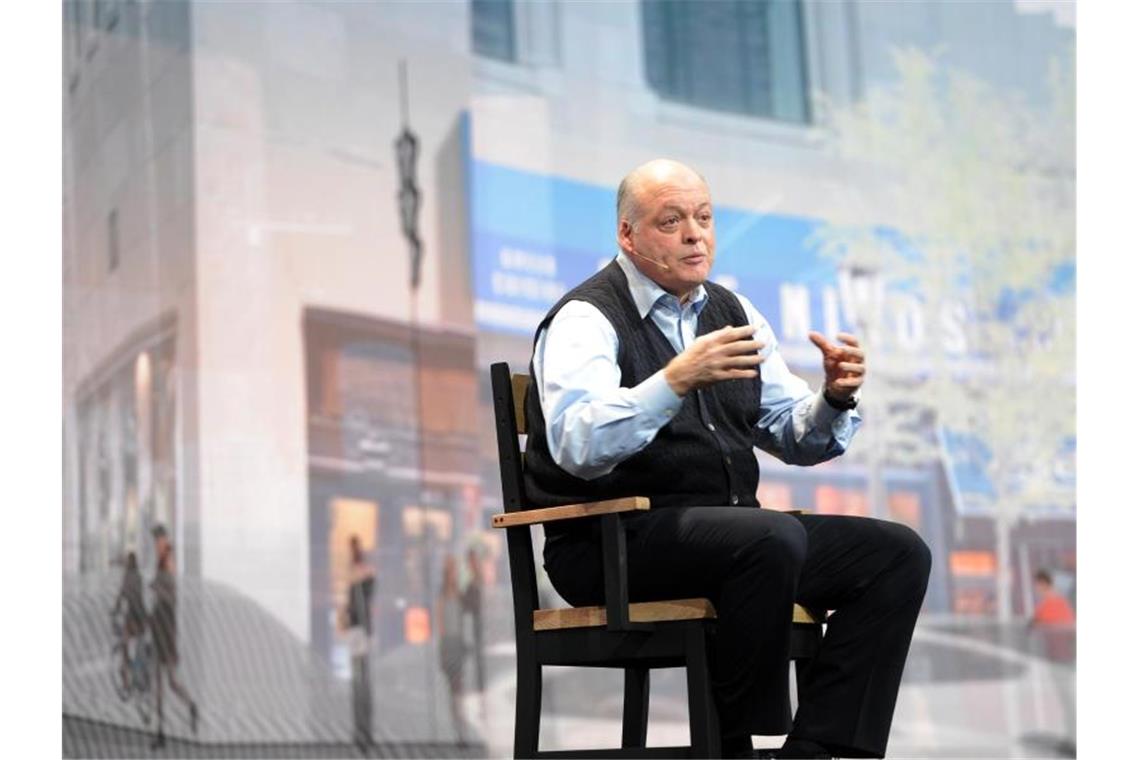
(635, 721)
(806, 643)
(802, 666)
(704, 727)
(528, 709)
(807, 646)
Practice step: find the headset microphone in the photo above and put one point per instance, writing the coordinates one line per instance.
(666, 267)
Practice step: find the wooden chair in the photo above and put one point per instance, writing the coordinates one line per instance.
(635, 637)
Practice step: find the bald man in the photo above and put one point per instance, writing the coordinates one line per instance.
(648, 379)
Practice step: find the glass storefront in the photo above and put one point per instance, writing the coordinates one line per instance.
(402, 482)
(128, 481)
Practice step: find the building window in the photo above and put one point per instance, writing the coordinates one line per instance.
(111, 14)
(89, 24)
(113, 240)
(78, 22)
(493, 29)
(739, 56)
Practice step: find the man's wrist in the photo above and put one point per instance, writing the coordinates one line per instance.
(675, 384)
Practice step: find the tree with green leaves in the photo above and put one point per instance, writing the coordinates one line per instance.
(976, 269)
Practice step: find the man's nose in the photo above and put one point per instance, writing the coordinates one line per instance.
(692, 233)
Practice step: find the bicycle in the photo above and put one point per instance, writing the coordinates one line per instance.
(132, 682)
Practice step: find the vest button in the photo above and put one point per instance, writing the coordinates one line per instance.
(728, 460)
(712, 427)
(735, 500)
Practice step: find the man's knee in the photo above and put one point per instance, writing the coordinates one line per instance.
(778, 540)
(913, 551)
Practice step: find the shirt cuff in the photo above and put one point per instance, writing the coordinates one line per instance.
(823, 414)
(655, 397)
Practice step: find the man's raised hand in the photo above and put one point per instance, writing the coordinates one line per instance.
(844, 365)
(729, 353)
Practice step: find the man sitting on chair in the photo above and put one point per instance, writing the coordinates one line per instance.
(650, 380)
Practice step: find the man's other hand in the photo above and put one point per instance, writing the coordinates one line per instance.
(725, 354)
(843, 364)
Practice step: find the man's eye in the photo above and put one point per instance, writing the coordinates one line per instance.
(670, 221)
(704, 218)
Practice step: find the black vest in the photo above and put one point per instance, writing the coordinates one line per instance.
(701, 457)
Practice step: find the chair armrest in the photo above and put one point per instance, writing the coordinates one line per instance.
(569, 512)
(613, 547)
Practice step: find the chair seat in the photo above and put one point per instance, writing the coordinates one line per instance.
(643, 612)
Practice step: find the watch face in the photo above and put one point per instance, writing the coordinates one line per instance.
(849, 403)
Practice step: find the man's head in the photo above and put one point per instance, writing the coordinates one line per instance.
(1042, 582)
(665, 224)
(161, 540)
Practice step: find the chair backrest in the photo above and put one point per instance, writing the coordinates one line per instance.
(509, 396)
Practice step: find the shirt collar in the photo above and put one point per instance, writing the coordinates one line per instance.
(646, 293)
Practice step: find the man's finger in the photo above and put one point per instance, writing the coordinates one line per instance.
(849, 339)
(731, 334)
(853, 367)
(740, 374)
(848, 382)
(743, 347)
(747, 360)
(820, 342)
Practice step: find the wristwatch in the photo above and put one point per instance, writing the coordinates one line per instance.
(842, 405)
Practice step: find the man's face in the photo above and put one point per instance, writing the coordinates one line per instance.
(675, 228)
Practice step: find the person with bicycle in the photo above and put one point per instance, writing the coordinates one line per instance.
(130, 598)
(164, 630)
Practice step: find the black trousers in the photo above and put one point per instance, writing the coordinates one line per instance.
(754, 564)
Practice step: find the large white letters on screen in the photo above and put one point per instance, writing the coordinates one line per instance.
(795, 311)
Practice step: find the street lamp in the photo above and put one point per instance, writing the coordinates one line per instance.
(407, 150)
(408, 202)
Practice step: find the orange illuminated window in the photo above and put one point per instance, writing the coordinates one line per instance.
(348, 518)
(973, 563)
(417, 625)
(973, 602)
(827, 500)
(774, 495)
(832, 500)
(905, 507)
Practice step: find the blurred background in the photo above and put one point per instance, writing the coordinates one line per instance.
(295, 235)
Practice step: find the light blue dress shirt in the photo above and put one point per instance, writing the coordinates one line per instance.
(593, 424)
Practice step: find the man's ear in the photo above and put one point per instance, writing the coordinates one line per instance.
(625, 236)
